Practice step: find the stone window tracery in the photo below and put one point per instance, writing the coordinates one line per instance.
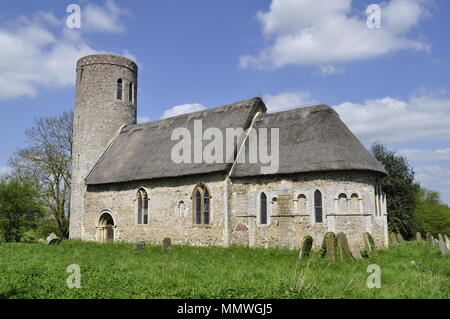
(142, 207)
(201, 202)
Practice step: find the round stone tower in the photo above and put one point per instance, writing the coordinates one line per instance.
(106, 99)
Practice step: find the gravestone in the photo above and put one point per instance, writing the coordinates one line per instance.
(369, 243)
(400, 238)
(418, 237)
(167, 242)
(443, 247)
(355, 252)
(393, 239)
(342, 250)
(434, 241)
(140, 245)
(440, 237)
(429, 238)
(42, 241)
(307, 244)
(329, 246)
(53, 239)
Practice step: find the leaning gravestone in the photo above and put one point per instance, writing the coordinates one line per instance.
(393, 239)
(53, 239)
(342, 249)
(329, 246)
(418, 237)
(400, 238)
(307, 244)
(443, 247)
(355, 252)
(166, 243)
(369, 243)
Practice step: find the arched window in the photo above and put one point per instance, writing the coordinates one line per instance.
(301, 204)
(201, 200)
(119, 95)
(263, 209)
(378, 200)
(274, 204)
(142, 210)
(181, 208)
(318, 209)
(355, 203)
(342, 203)
(131, 92)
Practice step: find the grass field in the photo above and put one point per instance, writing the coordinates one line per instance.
(119, 271)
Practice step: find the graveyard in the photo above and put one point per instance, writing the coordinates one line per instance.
(408, 269)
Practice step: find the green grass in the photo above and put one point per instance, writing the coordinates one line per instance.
(119, 271)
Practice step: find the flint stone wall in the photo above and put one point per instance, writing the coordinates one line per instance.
(286, 225)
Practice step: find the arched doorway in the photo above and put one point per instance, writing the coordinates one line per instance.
(106, 227)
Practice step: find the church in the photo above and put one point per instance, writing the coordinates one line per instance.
(129, 184)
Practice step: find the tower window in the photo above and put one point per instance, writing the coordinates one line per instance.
(131, 92)
(119, 89)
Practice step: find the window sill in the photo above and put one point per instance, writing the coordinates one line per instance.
(201, 226)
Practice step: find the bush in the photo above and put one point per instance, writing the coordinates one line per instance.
(30, 236)
(21, 208)
(432, 215)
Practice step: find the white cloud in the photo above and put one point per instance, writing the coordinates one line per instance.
(39, 51)
(435, 178)
(323, 33)
(183, 109)
(326, 70)
(426, 155)
(287, 100)
(421, 118)
(106, 18)
(143, 119)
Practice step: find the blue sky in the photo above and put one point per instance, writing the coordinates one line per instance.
(389, 84)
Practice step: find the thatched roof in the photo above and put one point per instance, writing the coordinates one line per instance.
(311, 139)
(143, 151)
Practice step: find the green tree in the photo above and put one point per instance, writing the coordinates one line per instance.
(400, 190)
(432, 215)
(21, 208)
(47, 161)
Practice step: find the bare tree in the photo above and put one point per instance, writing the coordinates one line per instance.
(48, 160)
